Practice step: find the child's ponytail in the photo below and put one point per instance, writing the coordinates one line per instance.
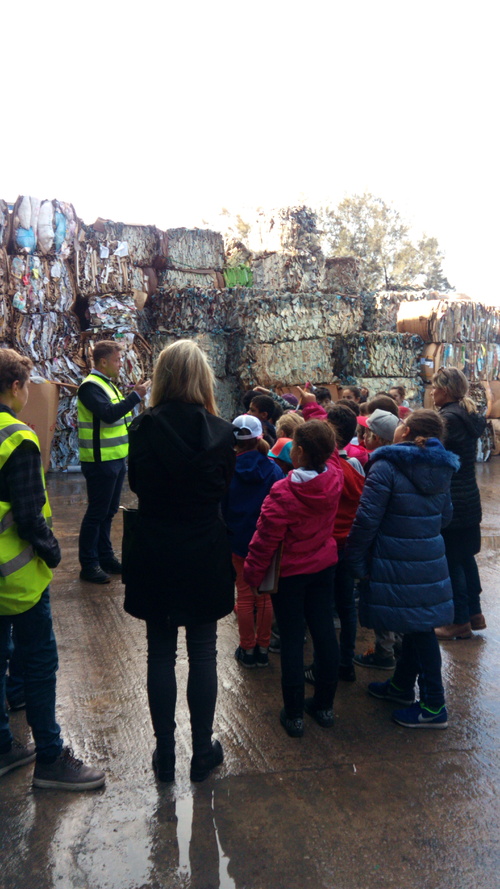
(424, 424)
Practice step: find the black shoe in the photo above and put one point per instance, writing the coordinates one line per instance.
(245, 658)
(324, 718)
(201, 766)
(293, 727)
(261, 656)
(112, 566)
(164, 766)
(94, 575)
(347, 673)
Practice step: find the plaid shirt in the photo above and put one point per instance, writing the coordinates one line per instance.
(21, 485)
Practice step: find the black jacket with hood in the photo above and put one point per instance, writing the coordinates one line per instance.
(179, 570)
(462, 432)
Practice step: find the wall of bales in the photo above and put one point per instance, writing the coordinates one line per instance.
(65, 285)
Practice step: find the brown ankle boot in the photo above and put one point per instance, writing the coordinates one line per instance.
(477, 622)
(454, 631)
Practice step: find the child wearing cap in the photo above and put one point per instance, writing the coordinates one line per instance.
(254, 475)
(281, 453)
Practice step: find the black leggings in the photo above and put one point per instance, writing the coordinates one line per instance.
(201, 688)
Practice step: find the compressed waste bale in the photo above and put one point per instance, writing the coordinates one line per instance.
(4, 224)
(283, 364)
(413, 386)
(117, 313)
(41, 284)
(145, 244)
(51, 340)
(194, 249)
(200, 311)
(4, 299)
(98, 271)
(238, 276)
(377, 355)
(201, 278)
(43, 227)
(228, 397)
(341, 274)
(493, 399)
(287, 271)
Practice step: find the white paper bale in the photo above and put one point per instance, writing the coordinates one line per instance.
(195, 249)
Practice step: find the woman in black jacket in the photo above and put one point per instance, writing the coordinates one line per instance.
(179, 571)
(463, 535)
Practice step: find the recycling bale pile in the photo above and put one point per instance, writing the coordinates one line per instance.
(458, 333)
(195, 258)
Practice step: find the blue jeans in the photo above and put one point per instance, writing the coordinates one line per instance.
(201, 687)
(104, 487)
(308, 596)
(14, 681)
(421, 659)
(37, 649)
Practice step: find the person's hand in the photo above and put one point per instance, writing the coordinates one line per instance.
(306, 397)
(142, 388)
(261, 389)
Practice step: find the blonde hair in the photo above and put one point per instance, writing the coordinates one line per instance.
(182, 373)
(455, 382)
(287, 424)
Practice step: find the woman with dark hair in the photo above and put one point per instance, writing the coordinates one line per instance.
(462, 537)
(179, 571)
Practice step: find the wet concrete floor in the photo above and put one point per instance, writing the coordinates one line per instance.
(365, 805)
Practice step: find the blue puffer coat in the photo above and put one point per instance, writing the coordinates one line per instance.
(396, 538)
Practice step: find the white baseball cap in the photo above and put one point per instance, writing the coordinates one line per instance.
(247, 427)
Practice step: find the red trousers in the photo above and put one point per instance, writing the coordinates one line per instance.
(255, 613)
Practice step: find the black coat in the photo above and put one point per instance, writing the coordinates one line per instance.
(462, 432)
(179, 570)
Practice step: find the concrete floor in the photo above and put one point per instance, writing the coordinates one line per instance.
(365, 805)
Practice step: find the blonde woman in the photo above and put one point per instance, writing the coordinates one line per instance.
(462, 537)
(179, 572)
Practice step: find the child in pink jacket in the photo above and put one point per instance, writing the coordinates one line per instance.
(299, 512)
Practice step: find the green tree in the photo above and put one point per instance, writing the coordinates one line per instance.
(367, 227)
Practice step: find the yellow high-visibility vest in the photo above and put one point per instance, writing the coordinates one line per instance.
(23, 574)
(100, 441)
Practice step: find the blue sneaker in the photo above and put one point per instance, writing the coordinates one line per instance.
(417, 716)
(386, 691)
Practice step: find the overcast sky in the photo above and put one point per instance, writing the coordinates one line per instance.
(163, 114)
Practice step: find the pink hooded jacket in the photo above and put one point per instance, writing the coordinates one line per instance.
(302, 515)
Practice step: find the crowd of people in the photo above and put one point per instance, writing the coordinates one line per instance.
(306, 503)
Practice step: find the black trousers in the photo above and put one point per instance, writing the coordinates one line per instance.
(309, 597)
(201, 688)
(104, 487)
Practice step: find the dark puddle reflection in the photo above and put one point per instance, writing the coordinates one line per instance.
(185, 841)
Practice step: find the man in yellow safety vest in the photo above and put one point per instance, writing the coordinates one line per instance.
(28, 552)
(103, 419)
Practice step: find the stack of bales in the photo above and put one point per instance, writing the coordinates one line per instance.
(461, 333)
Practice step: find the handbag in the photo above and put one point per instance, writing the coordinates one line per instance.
(269, 583)
(130, 525)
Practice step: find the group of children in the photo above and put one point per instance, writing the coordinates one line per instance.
(300, 495)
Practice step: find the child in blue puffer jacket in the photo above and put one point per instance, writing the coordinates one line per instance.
(253, 478)
(396, 546)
